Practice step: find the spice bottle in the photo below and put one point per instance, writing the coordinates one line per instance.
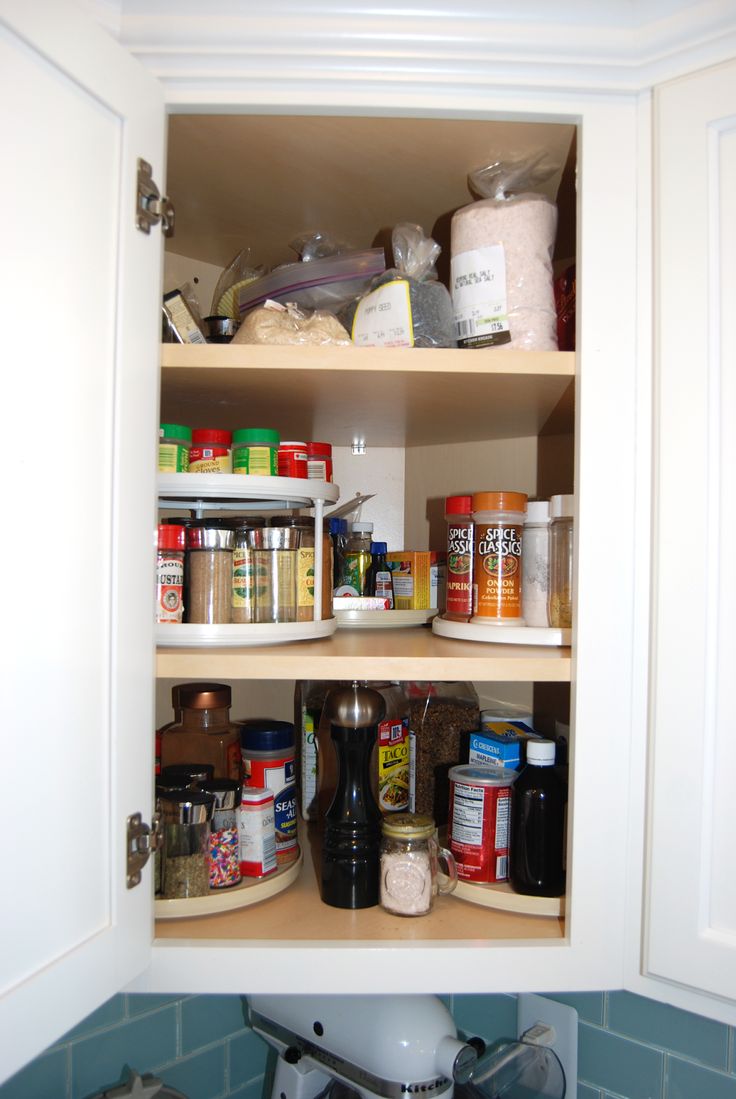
(378, 577)
(292, 459)
(319, 461)
(561, 511)
(185, 818)
(172, 542)
(305, 565)
(538, 825)
(410, 865)
(459, 584)
(243, 592)
(268, 760)
(357, 557)
(209, 572)
(499, 521)
(256, 832)
(174, 443)
(274, 564)
(255, 451)
(211, 451)
(535, 564)
(224, 850)
(205, 733)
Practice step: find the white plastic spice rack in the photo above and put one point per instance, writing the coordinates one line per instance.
(201, 492)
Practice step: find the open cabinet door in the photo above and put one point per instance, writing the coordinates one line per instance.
(80, 302)
(690, 930)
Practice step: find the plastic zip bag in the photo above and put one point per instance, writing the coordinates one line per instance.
(320, 284)
(275, 323)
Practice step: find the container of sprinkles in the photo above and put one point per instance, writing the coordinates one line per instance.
(224, 846)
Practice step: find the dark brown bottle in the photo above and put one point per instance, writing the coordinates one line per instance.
(538, 825)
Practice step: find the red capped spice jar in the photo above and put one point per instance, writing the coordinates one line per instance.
(499, 523)
(459, 584)
(172, 541)
(319, 461)
(211, 451)
(292, 459)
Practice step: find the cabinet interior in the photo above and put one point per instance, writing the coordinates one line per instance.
(447, 421)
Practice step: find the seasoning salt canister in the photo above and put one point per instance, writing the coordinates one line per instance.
(268, 761)
(211, 451)
(499, 522)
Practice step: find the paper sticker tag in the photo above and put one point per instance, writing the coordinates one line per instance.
(478, 283)
(383, 317)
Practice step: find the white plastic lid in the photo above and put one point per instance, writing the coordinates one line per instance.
(537, 511)
(540, 752)
(562, 507)
(362, 528)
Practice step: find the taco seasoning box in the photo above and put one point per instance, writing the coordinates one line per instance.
(255, 451)
(479, 824)
(499, 523)
(268, 760)
(174, 443)
(256, 832)
(459, 579)
(172, 542)
(210, 451)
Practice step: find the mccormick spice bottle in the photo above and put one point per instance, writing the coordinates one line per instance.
(499, 523)
(459, 583)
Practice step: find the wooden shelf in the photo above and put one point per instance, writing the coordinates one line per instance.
(387, 397)
(413, 653)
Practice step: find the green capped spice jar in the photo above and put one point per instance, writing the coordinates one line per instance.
(174, 442)
(255, 451)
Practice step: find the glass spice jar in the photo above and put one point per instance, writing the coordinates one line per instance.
(224, 846)
(185, 817)
(410, 865)
(209, 572)
(561, 511)
(205, 733)
(275, 573)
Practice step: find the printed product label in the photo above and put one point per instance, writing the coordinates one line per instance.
(169, 588)
(210, 459)
(305, 577)
(497, 572)
(478, 288)
(356, 566)
(393, 765)
(258, 461)
(384, 587)
(256, 835)
(459, 589)
(278, 775)
(308, 766)
(383, 317)
(173, 458)
(479, 831)
(243, 578)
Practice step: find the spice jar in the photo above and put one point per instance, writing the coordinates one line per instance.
(268, 761)
(499, 521)
(291, 459)
(305, 565)
(185, 819)
(535, 564)
(410, 865)
(459, 583)
(209, 572)
(255, 451)
(205, 733)
(211, 451)
(172, 542)
(319, 461)
(186, 774)
(243, 594)
(224, 849)
(274, 566)
(174, 442)
(561, 511)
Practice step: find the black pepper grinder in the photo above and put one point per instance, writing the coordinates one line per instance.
(351, 850)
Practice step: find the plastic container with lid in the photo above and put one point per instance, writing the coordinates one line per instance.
(255, 451)
(211, 451)
(561, 532)
(535, 564)
(224, 849)
(410, 865)
(174, 443)
(459, 579)
(292, 459)
(319, 461)
(538, 825)
(205, 733)
(172, 542)
(480, 819)
(499, 521)
(209, 572)
(268, 760)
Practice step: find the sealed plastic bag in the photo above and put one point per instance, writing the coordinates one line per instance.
(318, 245)
(441, 718)
(406, 306)
(327, 283)
(287, 324)
(501, 258)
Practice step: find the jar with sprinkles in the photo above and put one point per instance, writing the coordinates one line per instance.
(224, 846)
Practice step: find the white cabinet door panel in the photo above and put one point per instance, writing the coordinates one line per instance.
(690, 934)
(79, 294)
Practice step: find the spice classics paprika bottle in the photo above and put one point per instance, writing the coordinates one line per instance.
(499, 522)
(459, 585)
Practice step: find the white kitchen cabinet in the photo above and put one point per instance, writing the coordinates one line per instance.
(481, 951)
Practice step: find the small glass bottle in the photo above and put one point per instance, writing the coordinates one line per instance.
(536, 864)
(185, 818)
(205, 733)
(210, 572)
(275, 565)
(459, 583)
(243, 594)
(410, 859)
(535, 564)
(357, 557)
(224, 848)
(378, 577)
(561, 511)
(172, 542)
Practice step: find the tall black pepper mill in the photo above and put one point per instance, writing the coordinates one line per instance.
(352, 836)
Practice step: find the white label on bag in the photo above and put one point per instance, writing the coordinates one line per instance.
(383, 317)
(478, 284)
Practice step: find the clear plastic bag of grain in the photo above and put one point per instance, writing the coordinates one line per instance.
(441, 718)
(501, 277)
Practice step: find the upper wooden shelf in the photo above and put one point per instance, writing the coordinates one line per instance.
(381, 396)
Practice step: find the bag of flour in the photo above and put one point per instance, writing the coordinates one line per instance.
(501, 259)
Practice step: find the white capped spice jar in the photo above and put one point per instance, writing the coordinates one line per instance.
(535, 564)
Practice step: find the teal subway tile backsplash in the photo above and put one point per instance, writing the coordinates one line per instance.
(628, 1048)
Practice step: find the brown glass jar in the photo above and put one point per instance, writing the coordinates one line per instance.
(205, 733)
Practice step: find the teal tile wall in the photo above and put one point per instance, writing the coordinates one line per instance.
(628, 1048)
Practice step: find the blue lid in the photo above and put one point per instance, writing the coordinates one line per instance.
(263, 735)
(334, 526)
(379, 547)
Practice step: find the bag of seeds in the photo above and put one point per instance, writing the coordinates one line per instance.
(441, 718)
(501, 258)
(406, 306)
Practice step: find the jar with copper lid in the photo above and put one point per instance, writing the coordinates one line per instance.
(410, 865)
(205, 733)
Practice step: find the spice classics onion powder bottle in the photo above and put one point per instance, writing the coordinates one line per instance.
(499, 523)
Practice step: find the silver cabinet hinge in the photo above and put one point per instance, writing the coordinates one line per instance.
(151, 206)
(140, 840)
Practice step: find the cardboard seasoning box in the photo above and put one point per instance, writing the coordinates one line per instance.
(418, 577)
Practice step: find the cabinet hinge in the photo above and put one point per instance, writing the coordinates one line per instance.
(141, 840)
(151, 206)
